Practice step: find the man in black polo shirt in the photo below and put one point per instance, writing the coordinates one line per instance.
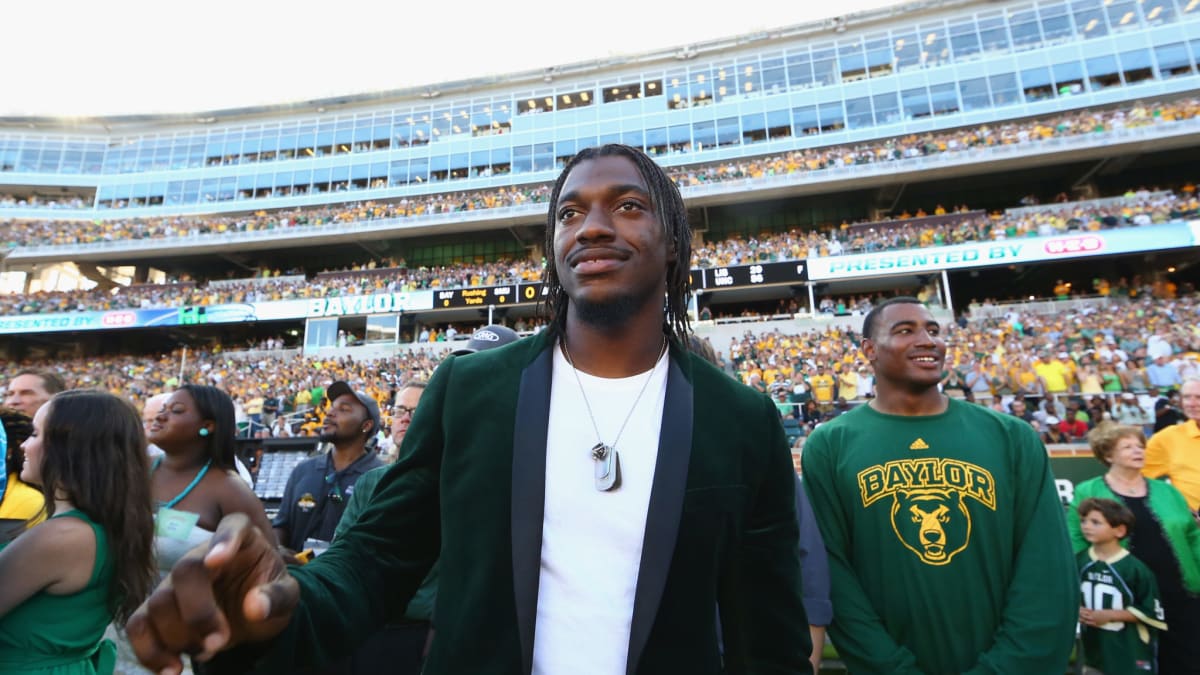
(319, 487)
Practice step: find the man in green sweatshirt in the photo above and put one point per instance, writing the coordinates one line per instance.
(947, 545)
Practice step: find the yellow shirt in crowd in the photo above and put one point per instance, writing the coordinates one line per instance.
(1172, 453)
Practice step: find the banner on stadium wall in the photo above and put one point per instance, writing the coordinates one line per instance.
(92, 320)
(1008, 252)
(243, 312)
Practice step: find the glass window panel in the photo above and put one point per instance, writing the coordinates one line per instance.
(800, 73)
(779, 124)
(680, 136)
(705, 135)
(442, 122)
(935, 45)
(1068, 78)
(1136, 66)
(677, 90)
(944, 98)
(724, 80)
(1089, 19)
(754, 128)
(208, 190)
(301, 181)
(749, 77)
(418, 170)
(543, 156)
(1056, 22)
(522, 159)
(728, 131)
(804, 120)
(49, 160)
(1103, 72)
(1160, 11)
(964, 40)
(1173, 60)
(634, 139)
(916, 103)
(852, 61)
(774, 76)
(879, 58)
(907, 49)
(1122, 16)
(833, 118)
(824, 65)
(92, 161)
(700, 86)
(993, 33)
(974, 94)
(72, 161)
(398, 172)
(858, 113)
(887, 107)
(1036, 84)
(1025, 28)
(656, 141)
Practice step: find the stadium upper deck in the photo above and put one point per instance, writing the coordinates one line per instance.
(914, 68)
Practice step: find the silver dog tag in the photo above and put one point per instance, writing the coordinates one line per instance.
(608, 467)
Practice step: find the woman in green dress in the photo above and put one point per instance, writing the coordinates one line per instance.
(91, 561)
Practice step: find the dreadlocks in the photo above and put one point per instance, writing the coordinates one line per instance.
(671, 214)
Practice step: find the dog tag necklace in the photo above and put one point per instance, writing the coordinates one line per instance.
(607, 462)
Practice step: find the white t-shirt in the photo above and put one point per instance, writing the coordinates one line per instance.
(592, 540)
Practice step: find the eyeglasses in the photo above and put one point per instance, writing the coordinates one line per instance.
(402, 410)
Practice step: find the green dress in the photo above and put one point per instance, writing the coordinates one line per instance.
(61, 634)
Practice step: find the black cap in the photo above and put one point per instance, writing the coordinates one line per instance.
(340, 388)
(488, 337)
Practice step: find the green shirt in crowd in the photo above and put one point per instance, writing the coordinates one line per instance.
(948, 551)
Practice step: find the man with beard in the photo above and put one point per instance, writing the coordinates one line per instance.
(947, 544)
(319, 487)
(595, 496)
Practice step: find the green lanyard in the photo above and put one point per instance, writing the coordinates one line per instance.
(187, 490)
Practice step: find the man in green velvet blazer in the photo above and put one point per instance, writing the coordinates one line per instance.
(716, 587)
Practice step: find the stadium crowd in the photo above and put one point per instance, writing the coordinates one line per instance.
(1065, 372)
(1133, 209)
(1049, 368)
(1074, 123)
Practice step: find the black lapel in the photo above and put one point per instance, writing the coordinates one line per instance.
(666, 505)
(529, 494)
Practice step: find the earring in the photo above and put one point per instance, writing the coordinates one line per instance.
(203, 432)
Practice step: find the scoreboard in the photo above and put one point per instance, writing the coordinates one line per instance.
(758, 274)
(703, 279)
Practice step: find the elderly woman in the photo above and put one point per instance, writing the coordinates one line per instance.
(1165, 537)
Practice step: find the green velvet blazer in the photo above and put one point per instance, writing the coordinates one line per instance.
(719, 585)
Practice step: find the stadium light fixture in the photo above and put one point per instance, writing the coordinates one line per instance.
(430, 92)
